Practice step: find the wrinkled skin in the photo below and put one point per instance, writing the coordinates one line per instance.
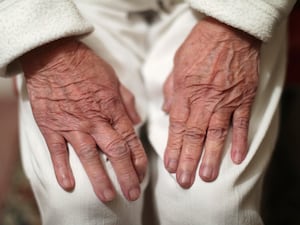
(77, 98)
(215, 76)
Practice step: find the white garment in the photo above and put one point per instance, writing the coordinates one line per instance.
(233, 199)
(257, 17)
(28, 24)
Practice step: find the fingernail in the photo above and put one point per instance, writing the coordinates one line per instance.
(185, 179)
(207, 173)
(172, 165)
(108, 195)
(66, 183)
(134, 194)
(238, 157)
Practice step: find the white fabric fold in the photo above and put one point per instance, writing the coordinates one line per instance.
(256, 17)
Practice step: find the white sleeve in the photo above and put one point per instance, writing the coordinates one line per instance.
(256, 17)
(27, 24)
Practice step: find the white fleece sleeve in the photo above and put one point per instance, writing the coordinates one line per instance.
(27, 24)
(256, 17)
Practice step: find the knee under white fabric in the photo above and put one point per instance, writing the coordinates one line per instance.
(81, 207)
(234, 197)
(128, 44)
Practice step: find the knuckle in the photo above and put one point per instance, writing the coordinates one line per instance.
(189, 159)
(249, 94)
(59, 164)
(140, 158)
(132, 140)
(127, 177)
(97, 176)
(195, 133)
(57, 148)
(218, 133)
(174, 146)
(241, 123)
(177, 127)
(87, 152)
(117, 149)
(129, 134)
(213, 155)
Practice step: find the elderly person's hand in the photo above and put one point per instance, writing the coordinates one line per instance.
(77, 98)
(211, 88)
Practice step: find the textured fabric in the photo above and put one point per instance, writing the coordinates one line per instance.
(28, 24)
(126, 5)
(257, 17)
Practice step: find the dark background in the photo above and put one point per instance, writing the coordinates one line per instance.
(281, 202)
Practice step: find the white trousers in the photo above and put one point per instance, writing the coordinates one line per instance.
(142, 56)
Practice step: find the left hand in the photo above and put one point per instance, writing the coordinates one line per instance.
(77, 98)
(213, 82)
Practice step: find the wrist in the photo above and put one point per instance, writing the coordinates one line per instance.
(48, 55)
(224, 30)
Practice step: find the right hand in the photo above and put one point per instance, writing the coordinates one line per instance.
(76, 97)
(211, 89)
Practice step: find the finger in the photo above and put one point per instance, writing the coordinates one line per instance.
(116, 149)
(85, 147)
(240, 122)
(60, 159)
(129, 104)
(178, 117)
(214, 145)
(168, 93)
(192, 145)
(124, 127)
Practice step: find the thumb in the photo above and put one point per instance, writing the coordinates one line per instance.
(168, 93)
(129, 104)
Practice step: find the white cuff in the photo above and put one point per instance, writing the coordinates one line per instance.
(27, 24)
(256, 17)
